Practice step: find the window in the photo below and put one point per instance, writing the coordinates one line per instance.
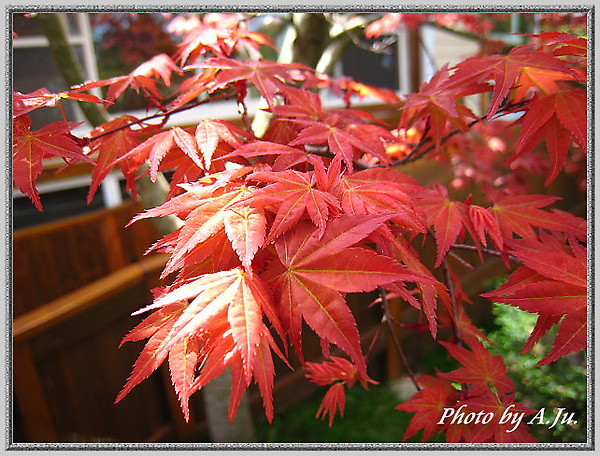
(34, 68)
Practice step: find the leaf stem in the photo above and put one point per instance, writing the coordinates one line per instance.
(452, 291)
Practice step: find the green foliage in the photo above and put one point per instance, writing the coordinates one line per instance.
(369, 418)
(561, 384)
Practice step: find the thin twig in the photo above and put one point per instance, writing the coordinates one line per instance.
(416, 154)
(485, 250)
(377, 47)
(462, 261)
(452, 291)
(373, 342)
(165, 115)
(387, 318)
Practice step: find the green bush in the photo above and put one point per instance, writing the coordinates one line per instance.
(562, 384)
(369, 417)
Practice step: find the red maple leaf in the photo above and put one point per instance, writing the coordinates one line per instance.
(437, 104)
(428, 405)
(510, 70)
(448, 218)
(431, 290)
(339, 373)
(192, 87)
(480, 369)
(155, 328)
(313, 272)
(157, 146)
(345, 136)
(208, 210)
(286, 156)
(290, 194)
(389, 22)
(30, 147)
(439, 405)
(220, 35)
(553, 284)
(469, 333)
(209, 132)
(141, 78)
(506, 432)
(110, 147)
(300, 104)
(518, 214)
(345, 132)
(558, 119)
(221, 324)
(346, 88)
(360, 193)
(185, 170)
(267, 77)
(560, 44)
(484, 223)
(25, 103)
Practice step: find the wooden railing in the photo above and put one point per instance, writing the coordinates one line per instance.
(71, 339)
(75, 284)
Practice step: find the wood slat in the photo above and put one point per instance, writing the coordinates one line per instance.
(86, 297)
(59, 257)
(30, 397)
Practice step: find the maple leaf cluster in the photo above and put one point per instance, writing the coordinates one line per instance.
(339, 373)
(473, 412)
(277, 229)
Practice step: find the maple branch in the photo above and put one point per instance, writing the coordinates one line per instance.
(342, 33)
(380, 46)
(486, 250)
(165, 115)
(416, 154)
(387, 319)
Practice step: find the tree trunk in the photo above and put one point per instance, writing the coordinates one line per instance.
(304, 42)
(67, 63)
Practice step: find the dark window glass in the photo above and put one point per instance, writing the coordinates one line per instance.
(376, 69)
(25, 26)
(34, 68)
